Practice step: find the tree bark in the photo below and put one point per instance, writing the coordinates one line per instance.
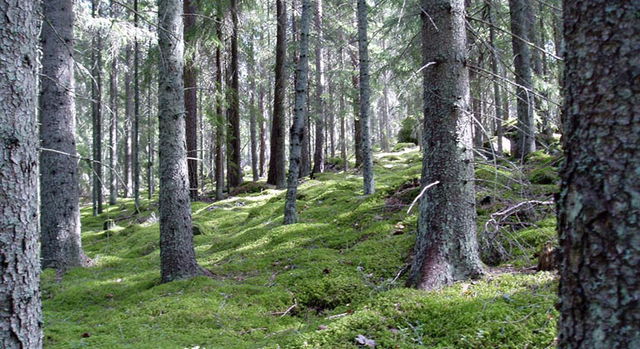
(365, 108)
(253, 132)
(177, 257)
(598, 206)
(20, 309)
(234, 149)
(319, 155)
(220, 124)
(495, 59)
(446, 248)
(128, 119)
(191, 99)
(526, 141)
(263, 140)
(113, 124)
(96, 114)
(290, 212)
(277, 172)
(135, 139)
(59, 191)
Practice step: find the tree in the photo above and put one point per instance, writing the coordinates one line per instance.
(302, 72)
(113, 122)
(234, 150)
(135, 138)
(191, 100)
(598, 205)
(177, 257)
(20, 312)
(365, 140)
(220, 125)
(318, 154)
(277, 172)
(96, 114)
(520, 18)
(446, 248)
(253, 119)
(59, 194)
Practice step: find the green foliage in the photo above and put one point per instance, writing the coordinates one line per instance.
(408, 131)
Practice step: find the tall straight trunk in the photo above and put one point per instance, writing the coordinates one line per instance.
(290, 213)
(262, 132)
(384, 120)
(365, 108)
(20, 310)
(150, 147)
(177, 257)
(319, 155)
(96, 115)
(343, 118)
(526, 142)
(446, 248)
(277, 172)
(234, 165)
(191, 99)
(113, 124)
(59, 179)
(598, 206)
(357, 124)
(253, 132)
(128, 119)
(220, 124)
(135, 139)
(495, 59)
(331, 134)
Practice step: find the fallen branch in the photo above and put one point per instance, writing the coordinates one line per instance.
(422, 193)
(284, 313)
(337, 316)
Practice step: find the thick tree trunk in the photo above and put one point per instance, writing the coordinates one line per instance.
(234, 149)
(365, 140)
(59, 191)
(446, 248)
(290, 213)
(319, 154)
(277, 172)
(191, 100)
(220, 124)
(598, 206)
(526, 140)
(177, 257)
(96, 115)
(20, 311)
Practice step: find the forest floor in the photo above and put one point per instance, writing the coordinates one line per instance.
(334, 280)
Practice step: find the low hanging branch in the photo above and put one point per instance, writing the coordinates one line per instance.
(422, 193)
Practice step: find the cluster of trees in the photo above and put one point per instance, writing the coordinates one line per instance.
(199, 131)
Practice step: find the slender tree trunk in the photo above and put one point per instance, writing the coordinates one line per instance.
(363, 49)
(234, 149)
(59, 191)
(177, 257)
(598, 206)
(220, 124)
(128, 110)
(319, 155)
(20, 309)
(357, 124)
(495, 59)
(96, 115)
(384, 121)
(191, 99)
(113, 124)
(277, 172)
(446, 248)
(150, 147)
(252, 115)
(290, 213)
(526, 141)
(263, 135)
(135, 139)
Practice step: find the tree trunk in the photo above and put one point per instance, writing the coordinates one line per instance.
(365, 140)
(59, 191)
(446, 248)
(96, 115)
(357, 125)
(128, 110)
(277, 172)
(290, 213)
(234, 164)
(253, 132)
(20, 310)
(526, 141)
(177, 257)
(598, 206)
(150, 147)
(220, 124)
(384, 121)
(495, 59)
(263, 135)
(135, 139)
(113, 124)
(318, 155)
(191, 99)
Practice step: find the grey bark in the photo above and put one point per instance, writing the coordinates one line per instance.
(96, 114)
(263, 140)
(495, 59)
(525, 143)
(20, 309)
(177, 257)
(277, 172)
(319, 154)
(290, 212)
(365, 140)
(598, 206)
(59, 190)
(446, 248)
(135, 138)
(128, 118)
(253, 131)
(234, 149)
(220, 125)
(191, 99)
(113, 124)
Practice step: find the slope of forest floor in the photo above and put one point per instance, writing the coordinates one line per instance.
(334, 280)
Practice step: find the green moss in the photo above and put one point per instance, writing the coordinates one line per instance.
(544, 175)
(404, 146)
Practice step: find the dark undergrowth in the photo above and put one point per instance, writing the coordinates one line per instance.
(320, 283)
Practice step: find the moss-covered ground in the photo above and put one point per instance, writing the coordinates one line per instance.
(319, 283)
